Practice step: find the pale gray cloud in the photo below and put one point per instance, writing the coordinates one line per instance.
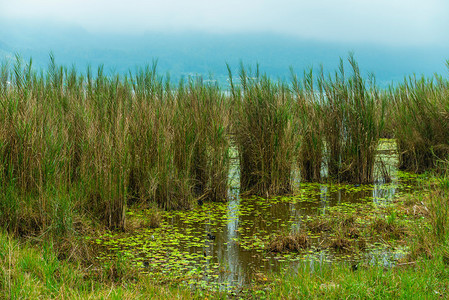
(392, 22)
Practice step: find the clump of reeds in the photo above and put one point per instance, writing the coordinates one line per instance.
(154, 176)
(264, 133)
(87, 145)
(388, 226)
(105, 158)
(319, 225)
(34, 153)
(295, 241)
(310, 123)
(345, 225)
(202, 139)
(180, 141)
(353, 115)
(421, 121)
(341, 243)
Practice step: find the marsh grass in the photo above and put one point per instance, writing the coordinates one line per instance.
(310, 124)
(88, 144)
(203, 120)
(341, 119)
(421, 115)
(263, 130)
(291, 242)
(77, 149)
(353, 114)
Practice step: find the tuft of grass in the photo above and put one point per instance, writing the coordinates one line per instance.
(388, 227)
(295, 241)
(340, 243)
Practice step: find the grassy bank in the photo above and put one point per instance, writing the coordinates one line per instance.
(27, 272)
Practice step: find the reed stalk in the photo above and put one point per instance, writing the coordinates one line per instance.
(353, 122)
(264, 133)
(421, 108)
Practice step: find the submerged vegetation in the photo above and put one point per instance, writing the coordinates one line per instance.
(81, 154)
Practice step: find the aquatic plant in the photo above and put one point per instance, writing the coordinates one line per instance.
(263, 130)
(35, 165)
(353, 114)
(310, 122)
(295, 241)
(89, 144)
(421, 114)
(202, 138)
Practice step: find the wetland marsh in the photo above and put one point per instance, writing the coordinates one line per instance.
(225, 245)
(137, 187)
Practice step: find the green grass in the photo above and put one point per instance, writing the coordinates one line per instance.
(353, 114)
(29, 273)
(421, 114)
(423, 280)
(264, 132)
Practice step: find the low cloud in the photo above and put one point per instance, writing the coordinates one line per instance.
(391, 22)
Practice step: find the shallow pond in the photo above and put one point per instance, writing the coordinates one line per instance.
(223, 245)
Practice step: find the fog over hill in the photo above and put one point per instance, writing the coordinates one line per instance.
(194, 52)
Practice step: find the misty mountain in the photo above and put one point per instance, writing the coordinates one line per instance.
(5, 51)
(190, 53)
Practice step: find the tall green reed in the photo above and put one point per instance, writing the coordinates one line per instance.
(353, 114)
(263, 132)
(108, 139)
(310, 122)
(180, 142)
(90, 144)
(203, 120)
(421, 109)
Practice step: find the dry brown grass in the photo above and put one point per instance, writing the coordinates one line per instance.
(341, 243)
(293, 242)
(384, 227)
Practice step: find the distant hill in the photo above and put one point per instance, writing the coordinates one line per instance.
(183, 54)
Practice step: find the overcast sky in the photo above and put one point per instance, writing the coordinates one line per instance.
(387, 22)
